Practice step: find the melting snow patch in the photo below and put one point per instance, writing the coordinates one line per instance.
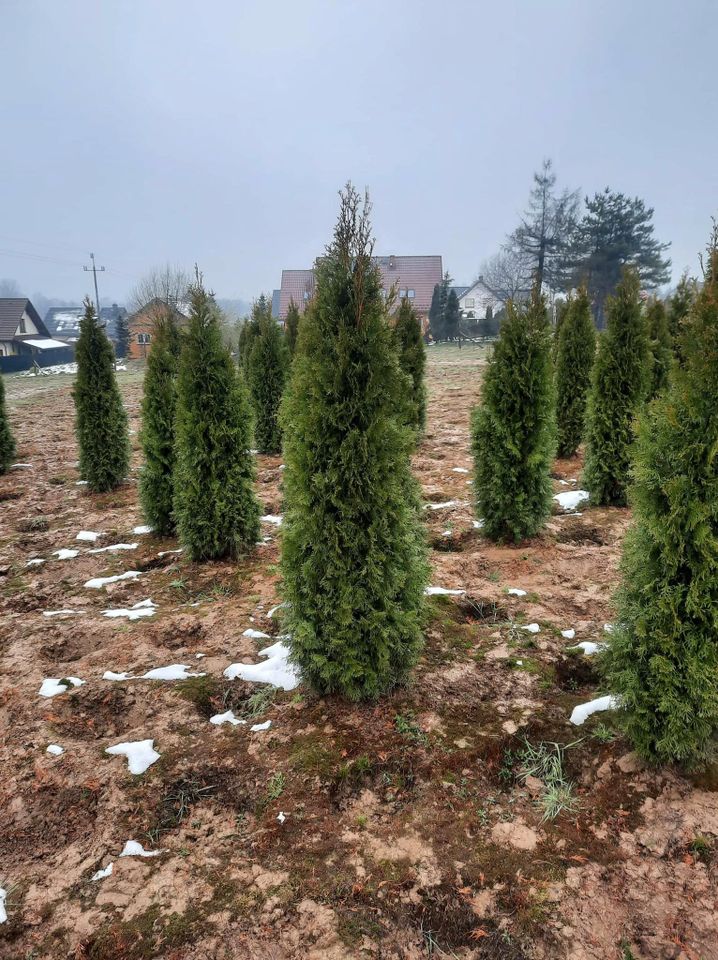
(256, 634)
(199, 656)
(134, 849)
(569, 634)
(164, 553)
(261, 726)
(55, 750)
(3, 912)
(109, 675)
(145, 608)
(89, 535)
(441, 506)
(35, 562)
(65, 554)
(219, 718)
(571, 499)
(21, 466)
(477, 524)
(459, 470)
(281, 816)
(98, 582)
(271, 518)
(175, 671)
(60, 613)
(442, 592)
(101, 874)
(280, 606)
(276, 669)
(584, 710)
(115, 546)
(80, 483)
(140, 754)
(608, 628)
(588, 647)
(532, 627)
(54, 685)
(143, 528)
(516, 592)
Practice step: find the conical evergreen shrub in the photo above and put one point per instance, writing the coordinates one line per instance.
(158, 427)
(353, 548)
(679, 307)
(619, 384)
(662, 660)
(216, 511)
(267, 376)
(291, 326)
(514, 427)
(574, 360)
(661, 348)
(7, 441)
(100, 417)
(412, 356)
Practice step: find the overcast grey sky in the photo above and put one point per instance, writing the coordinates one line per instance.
(219, 131)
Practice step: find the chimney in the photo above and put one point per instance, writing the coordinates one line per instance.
(392, 262)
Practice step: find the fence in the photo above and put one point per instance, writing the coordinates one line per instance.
(45, 358)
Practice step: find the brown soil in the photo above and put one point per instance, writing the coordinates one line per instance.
(407, 830)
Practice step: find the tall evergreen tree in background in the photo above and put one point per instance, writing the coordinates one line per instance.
(291, 326)
(266, 378)
(574, 360)
(249, 331)
(661, 347)
(216, 511)
(619, 385)
(157, 435)
(353, 550)
(437, 311)
(679, 307)
(7, 441)
(514, 428)
(452, 316)
(412, 355)
(662, 660)
(122, 333)
(100, 418)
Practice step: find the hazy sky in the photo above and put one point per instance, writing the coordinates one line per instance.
(219, 131)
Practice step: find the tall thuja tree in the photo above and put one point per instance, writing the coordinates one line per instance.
(679, 307)
(662, 660)
(216, 511)
(452, 316)
(353, 550)
(437, 311)
(412, 356)
(249, 331)
(158, 426)
(100, 418)
(619, 385)
(7, 441)
(661, 347)
(291, 326)
(266, 378)
(514, 427)
(574, 359)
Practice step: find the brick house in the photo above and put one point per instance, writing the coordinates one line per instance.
(142, 326)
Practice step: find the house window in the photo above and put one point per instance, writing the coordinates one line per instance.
(21, 328)
(410, 293)
(306, 294)
(402, 294)
(470, 303)
(144, 337)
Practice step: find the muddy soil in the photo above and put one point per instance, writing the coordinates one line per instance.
(401, 829)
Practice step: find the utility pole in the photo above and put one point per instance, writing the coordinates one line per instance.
(94, 270)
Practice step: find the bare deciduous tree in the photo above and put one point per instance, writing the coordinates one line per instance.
(508, 274)
(166, 286)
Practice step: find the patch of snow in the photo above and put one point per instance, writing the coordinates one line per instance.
(51, 370)
(175, 671)
(608, 628)
(80, 483)
(134, 849)
(145, 608)
(280, 606)
(589, 648)
(109, 675)
(584, 710)
(219, 718)
(459, 470)
(441, 506)
(569, 634)
(60, 613)
(281, 816)
(477, 524)
(571, 499)
(101, 874)
(516, 592)
(261, 726)
(164, 553)
(199, 656)
(532, 627)
(35, 562)
(442, 592)
(271, 518)
(65, 554)
(55, 750)
(88, 535)
(256, 634)
(21, 466)
(98, 582)
(115, 546)
(3, 912)
(143, 528)
(140, 754)
(276, 669)
(52, 686)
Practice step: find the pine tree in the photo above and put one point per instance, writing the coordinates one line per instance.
(661, 347)
(266, 378)
(619, 384)
(412, 355)
(7, 441)
(158, 427)
(576, 349)
(291, 326)
(100, 418)
(353, 550)
(216, 511)
(514, 429)
(452, 316)
(662, 660)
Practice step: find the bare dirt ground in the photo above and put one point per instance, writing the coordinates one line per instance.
(407, 831)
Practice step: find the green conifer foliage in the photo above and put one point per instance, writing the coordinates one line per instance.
(353, 549)
(412, 356)
(619, 384)
(576, 349)
(216, 511)
(452, 316)
(514, 428)
(661, 347)
(679, 307)
(291, 326)
(7, 441)
(662, 660)
(266, 377)
(158, 428)
(100, 418)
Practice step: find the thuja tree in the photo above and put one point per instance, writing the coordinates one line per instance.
(266, 377)
(514, 428)
(679, 306)
(662, 660)
(7, 441)
(574, 359)
(291, 326)
(412, 356)
(100, 418)
(353, 550)
(158, 427)
(619, 384)
(661, 347)
(216, 511)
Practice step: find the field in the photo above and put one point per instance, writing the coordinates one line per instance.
(434, 823)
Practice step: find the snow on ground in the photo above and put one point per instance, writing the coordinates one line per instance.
(175, 671)
(441, 506)
(584, 710)
(219, 718)
(164, 553)
(477, 524)
(61, 613)
(110, 675)
(140, 754)
(532, 627)
(98, 582)
(271, 518)
(115, 546)
(88, 535)
(608, 628)
(516, 592)
(35, 562)
(442, 592)
(571, 499)
(52, 686)
(459, 470)
(143, 528)
(281, 816)
(275, 669)
(3, 912)
(65, 554)
(145, 608)
(134, 849)
(261, 726)
(55, 750)
(568, 634)
(588, 647)
(280, 606)
(80, 483)
(101, 874)
(256, 634)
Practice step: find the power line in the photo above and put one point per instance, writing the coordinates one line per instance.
(94, 270)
